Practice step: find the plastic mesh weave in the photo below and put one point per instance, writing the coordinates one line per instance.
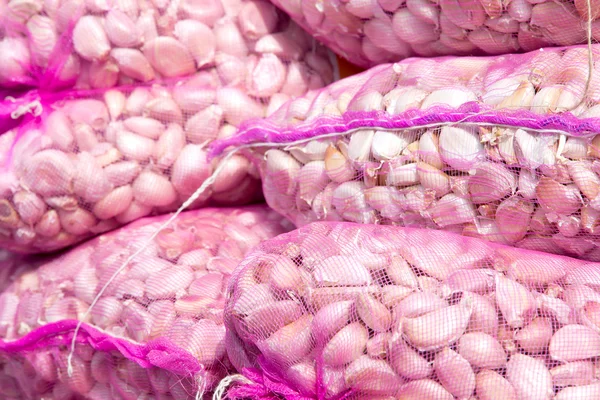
(83, 162)
(342, 310)
(371, 32)
(155, 330)
(503, 148)
(101, 44)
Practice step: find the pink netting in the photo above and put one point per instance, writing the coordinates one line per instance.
(371, 32)
(101, 44)
(342, 310)
(151, 328)
(84, 162)
(503, 148)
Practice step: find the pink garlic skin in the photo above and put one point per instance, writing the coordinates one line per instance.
(361, 30)
(507, 185)
(98, 149)
(143, 304)
(441, 342)
(122, 42)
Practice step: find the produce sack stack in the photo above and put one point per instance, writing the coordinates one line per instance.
(133, 314)
(503, 148)
(100, 44)
(82, 162)
(371, 32)
(343, 310)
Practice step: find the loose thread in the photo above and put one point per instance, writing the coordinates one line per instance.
(590, 55)
(226, 383)
(35, 108)
(208, 182)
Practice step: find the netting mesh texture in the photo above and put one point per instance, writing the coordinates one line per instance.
(150, 328)
(346, 310)
(89, 161)
(371, 32)
(502, 148)
(101, 44)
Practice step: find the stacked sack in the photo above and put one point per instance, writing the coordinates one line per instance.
(371, 32)
(504, 148)
(354, 311)
(84, 161)
(135, 313)
(117, 114)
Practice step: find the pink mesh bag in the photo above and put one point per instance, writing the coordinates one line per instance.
(338, 310)
(100, 44)
(371, 32)
(82, 162)
(503, 148)
(151, 323)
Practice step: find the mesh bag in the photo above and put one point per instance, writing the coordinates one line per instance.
(83, 162)
(371, 32)
(100, 44)
(503, 148)
(342, 310)
(150, 308)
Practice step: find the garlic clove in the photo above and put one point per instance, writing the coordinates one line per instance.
(330, 319)
(371, 376)
(452, 210)
(375, 315)
(346, 345)
(90, 40)
(425, 389)
(360, 145)
(198, 39)
(429, 151)
(328, 272)
(400, 272)
(407, 362)
(482, 350)
(338, 167)
(284, 170)
(558, 198)
(579, 392)
(490, 385)
(132, 63)
(574, 342)
(419, 303)
(204, 125)
(491, 182)
(121, 30)
(576, 373)
(454, 373)
(290, 343)
(515, 301)
(169, 57)
(418, 330)
(388, 145)
(402, 174)
(460, 147)
(529, 377)
(513, 216)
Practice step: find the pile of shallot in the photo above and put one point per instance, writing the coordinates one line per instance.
(150, 326)
(371, 32)
(368, 311)
(100, 44)
(479, 146)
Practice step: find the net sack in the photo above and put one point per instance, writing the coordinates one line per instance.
(343, 310)
(371, 32)
(150, 328)
(101, 44)
(83, 162)
(503, 148)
